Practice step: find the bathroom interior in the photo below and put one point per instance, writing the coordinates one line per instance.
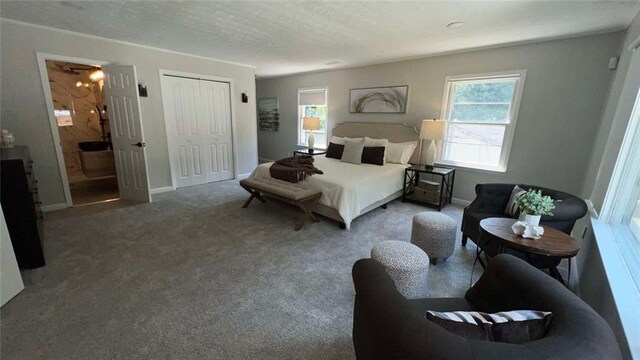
(83, 126)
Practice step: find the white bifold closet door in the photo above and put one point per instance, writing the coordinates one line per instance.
(199, 129)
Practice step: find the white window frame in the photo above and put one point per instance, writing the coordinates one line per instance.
(303, 142)
(510, 127)
(615, 241)
(623, 192)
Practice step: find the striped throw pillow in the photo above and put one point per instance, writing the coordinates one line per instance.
(512, 210)
(514, 327)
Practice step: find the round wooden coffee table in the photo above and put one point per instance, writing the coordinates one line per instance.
(553, 244)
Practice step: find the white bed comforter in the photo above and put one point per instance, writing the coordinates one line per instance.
(349, 188)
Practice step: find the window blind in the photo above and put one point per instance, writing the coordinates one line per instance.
(313, 97)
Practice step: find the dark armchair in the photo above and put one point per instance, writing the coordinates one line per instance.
(491, 200)
(388, 326)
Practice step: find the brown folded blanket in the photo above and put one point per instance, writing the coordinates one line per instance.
(294, 169)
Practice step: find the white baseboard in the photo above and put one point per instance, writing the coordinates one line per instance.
(161, 190)
(242, 176)
(53, 207)
(460, 202)
(262, 160)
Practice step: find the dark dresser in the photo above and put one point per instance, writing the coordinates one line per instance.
(21, 206)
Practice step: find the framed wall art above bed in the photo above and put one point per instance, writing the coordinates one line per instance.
(386, 100)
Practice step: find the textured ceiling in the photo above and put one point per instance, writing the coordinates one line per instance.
(292, 36)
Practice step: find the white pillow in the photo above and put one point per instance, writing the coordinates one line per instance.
(337, 140)
(400, 153)
(354, 140)
(369, 142)
(341, 140)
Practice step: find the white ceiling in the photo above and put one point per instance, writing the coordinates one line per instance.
(289, 37)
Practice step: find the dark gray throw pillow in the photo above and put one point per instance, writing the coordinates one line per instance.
(334, 151)
(513, 327)
(373, 155)
(512, 209)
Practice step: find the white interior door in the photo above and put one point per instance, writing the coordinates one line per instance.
(198, 116)
(182, 109)
(123, 107)
(216, 103)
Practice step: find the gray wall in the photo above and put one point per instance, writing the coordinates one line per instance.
(23, 107)
(593, 283)
(567, 82)
(611, 130)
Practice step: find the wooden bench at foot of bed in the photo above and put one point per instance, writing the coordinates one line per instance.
(297, 194)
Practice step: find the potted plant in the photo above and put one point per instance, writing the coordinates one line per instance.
(532, 205)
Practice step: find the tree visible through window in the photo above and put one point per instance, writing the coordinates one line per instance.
(481, 114)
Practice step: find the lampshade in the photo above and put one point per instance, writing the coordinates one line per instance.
(311, 123)
(433, 129)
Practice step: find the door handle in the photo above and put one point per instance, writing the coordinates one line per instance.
(139, 144)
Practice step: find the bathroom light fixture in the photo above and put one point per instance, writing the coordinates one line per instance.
(455, 25)
(97, 75)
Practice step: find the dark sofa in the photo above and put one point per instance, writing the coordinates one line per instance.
(388, 326)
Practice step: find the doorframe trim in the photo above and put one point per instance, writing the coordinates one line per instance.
(44, 78)
(194, 76)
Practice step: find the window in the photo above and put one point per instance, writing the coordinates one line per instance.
(621, 208)
(312, 102)
(481, 112)
(634, 219)
(616, 227)
(63, 117)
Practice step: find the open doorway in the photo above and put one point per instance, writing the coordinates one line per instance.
(85, 136)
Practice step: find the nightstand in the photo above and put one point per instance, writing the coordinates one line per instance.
(306, 152)
(436, 192)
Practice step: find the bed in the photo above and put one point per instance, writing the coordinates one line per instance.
(350, 190)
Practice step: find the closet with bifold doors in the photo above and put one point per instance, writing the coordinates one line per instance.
(199, 129)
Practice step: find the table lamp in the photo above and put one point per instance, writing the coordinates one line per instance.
(311, 124)
(433, 130)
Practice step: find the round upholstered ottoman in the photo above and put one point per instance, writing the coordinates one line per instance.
(435, 233)
(407, 265)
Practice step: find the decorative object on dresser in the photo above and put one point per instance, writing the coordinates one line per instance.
(6, 139)
(433, 130)
(268, 114)
(389, 99)
(311, 124)
(21, 206)
(431, 193)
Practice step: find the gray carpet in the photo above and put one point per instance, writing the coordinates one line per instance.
(194, 276)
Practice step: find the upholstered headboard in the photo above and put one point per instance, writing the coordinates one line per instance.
(395, 133)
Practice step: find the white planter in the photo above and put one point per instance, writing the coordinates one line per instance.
(532, 220)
